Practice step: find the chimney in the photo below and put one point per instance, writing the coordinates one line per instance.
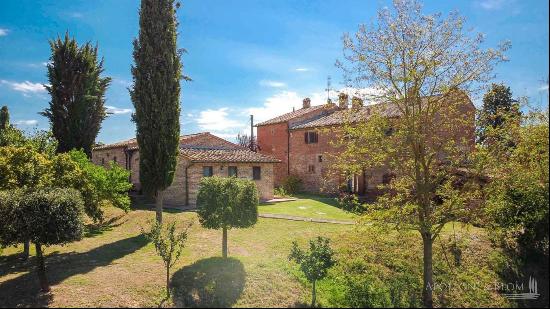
(356, 102)
(342, 100)
(306, 103)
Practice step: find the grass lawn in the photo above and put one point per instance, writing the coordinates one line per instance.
(116, 267)
(308, 206)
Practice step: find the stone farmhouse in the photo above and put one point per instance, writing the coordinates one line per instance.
(302, 140)
(201, 155)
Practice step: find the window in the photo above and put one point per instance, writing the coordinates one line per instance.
(232, 171)
(389, 131)
(311, 137)
(256, 173)
(207, 171)
(311, 168)
(320, 158)
(114, 159)
(102, 161)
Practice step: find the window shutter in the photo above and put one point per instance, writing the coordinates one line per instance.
(306, 137)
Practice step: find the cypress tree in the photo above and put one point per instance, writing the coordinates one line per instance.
(499, 106)
(4, 118)
(77, 94)
(155, 95)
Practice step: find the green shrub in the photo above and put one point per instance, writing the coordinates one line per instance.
(292, 185)
(225, 203)
(97, 184)
(280, 192)
(349, 202)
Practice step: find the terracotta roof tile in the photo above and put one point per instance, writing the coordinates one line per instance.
(132, 143)
(347, 115)
(206, 147)
(226, 155)
(289, 116)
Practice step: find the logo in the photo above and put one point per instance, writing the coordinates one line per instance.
(532, 295)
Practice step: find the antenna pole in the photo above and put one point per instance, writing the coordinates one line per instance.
(252, 132)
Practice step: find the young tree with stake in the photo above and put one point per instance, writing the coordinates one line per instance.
(420, 66)
(315, 263)
(169, 244)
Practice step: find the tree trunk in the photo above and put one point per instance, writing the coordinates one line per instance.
(41, 269)
(167, 282)
(158, 205)
(26, 249)
(314, 295)
(427, 297)
(224, 243)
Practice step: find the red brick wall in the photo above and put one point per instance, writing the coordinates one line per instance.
(273, 141)
(304, 160)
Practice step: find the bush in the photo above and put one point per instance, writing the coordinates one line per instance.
(280, 192)
(349, 202)
(225, 203)
(98, 185)
(292, 185)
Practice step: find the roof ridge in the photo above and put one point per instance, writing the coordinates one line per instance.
(289, 116)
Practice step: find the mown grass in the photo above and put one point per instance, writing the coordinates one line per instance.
(115, 267)
(308, 206)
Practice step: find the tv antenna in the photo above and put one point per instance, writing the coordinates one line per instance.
(329, 88)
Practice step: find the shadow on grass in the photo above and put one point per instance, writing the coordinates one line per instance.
(24, 291)
(214, 282)
(95, 229)
(139, 205)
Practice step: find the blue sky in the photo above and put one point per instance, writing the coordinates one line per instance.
(244, 57)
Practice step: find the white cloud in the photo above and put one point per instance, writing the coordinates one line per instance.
(31, 122)
(276, 105)
(123, 82)
(117, 111)
(301, 69)
(38, 65)
(491, 5)
(217, 120)
(272, 83)
(3, 31)
(25, 87)
(76, 15)
(544, 88)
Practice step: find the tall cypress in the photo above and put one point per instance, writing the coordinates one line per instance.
(155, 94)
(4, 118)
(77, 94)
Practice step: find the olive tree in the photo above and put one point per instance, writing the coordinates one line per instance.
(314, 263)
(418, 66)
(225, 203)
(45, 217)
(24, 169)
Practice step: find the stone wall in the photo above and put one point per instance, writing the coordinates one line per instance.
(176, 192)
